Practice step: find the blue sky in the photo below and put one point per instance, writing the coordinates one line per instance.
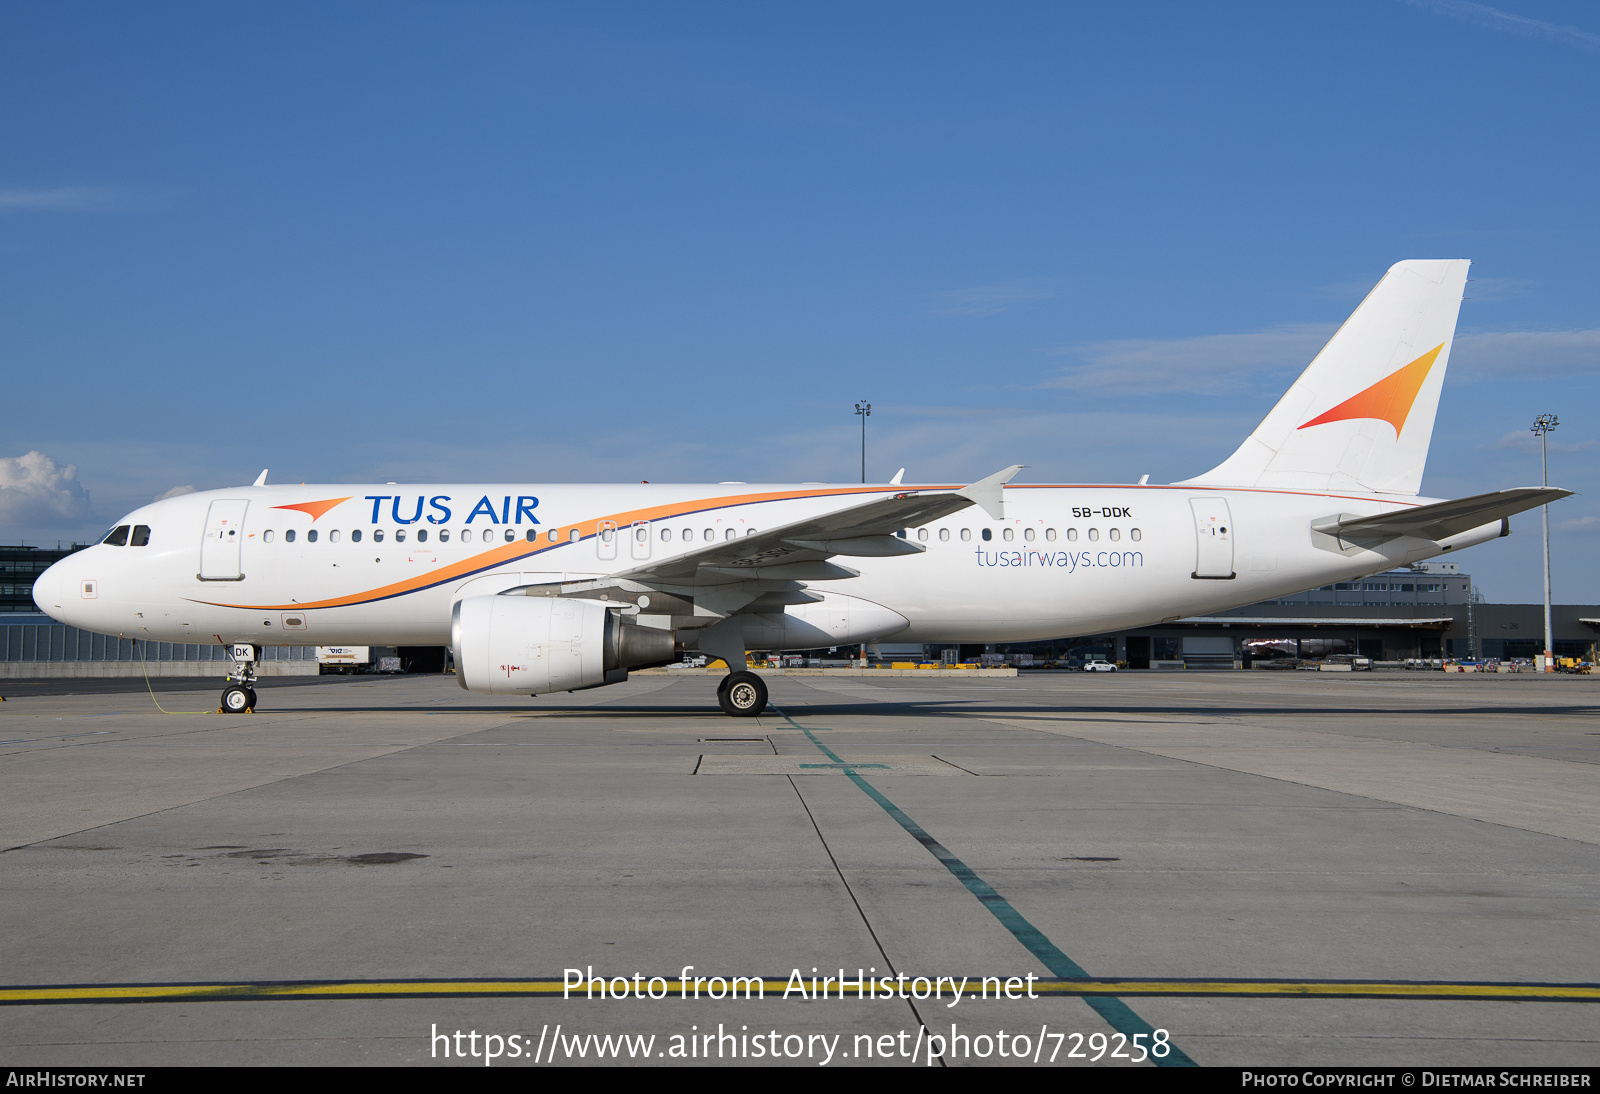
(358, 242)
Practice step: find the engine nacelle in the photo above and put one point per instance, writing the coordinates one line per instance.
(525, 645)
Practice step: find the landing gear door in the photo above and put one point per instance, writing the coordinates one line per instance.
(1213, 530)
(219, 550)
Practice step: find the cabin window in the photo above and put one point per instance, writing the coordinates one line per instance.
(944, 535)
(118, 536)
(267, 536)
(987, 535)
(901, 533)
(444, 535)
(1115, 534)
(749, 531)
(510, 535)
(1050, 534)
(1072, 535)
(666, 535)
(732, 533)
(422, 535)
(1134, 535)
(140, 537)
(399, 535)
(311, 536)
(1094, 535)
(288, 537)
(922, 534)
(333, 536)
(1027, 534)
(1007, 534)
(377, 535)
(572, 536)
(966, 535)
(355, 536)
(710, 535)
(533, 535)
(466, 535)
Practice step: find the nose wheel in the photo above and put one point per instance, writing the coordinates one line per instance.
(742, 694)
(239, 697)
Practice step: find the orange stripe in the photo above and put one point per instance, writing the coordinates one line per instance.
(510, 552)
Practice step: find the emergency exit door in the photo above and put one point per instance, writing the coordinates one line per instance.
(1213, 534)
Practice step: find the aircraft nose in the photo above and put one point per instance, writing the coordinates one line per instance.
(48, 588)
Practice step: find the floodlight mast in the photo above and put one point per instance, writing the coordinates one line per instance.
(1542, 426)
(864, 409)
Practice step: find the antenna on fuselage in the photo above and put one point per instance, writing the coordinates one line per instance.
(261, 479)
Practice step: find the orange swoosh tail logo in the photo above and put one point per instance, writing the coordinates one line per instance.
(1388, 400)
(315, 508)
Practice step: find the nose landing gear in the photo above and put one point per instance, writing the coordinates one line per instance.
(239, 697)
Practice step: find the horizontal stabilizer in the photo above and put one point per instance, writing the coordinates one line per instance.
(1442, 519)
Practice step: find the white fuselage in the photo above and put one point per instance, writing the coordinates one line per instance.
(384, 565)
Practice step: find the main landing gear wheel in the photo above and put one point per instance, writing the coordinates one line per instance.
(238, 700)
(742, 694)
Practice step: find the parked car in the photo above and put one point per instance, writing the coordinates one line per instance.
(1099, 665)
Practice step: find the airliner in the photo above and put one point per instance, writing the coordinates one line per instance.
(552, 588)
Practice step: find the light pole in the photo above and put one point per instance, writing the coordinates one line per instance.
(865, 412)
(1543, 426)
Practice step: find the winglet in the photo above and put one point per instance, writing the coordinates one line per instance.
(987, 492)
(261, 479)
(897, 476)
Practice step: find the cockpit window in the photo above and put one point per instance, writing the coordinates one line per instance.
(141, 536)
(118, 536)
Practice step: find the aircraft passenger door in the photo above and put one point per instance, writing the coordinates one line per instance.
(219, 550)
(640, 539)
(605, 544)
(1213, 530)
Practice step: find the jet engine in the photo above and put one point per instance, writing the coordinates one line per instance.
(521, 645)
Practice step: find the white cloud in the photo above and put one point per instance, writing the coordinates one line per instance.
(60, 199)
(1582, 525)
(1525, 440)
(1209, 364)
(35, 491)
(1522, 353)
(176, 491)
(994, 299)
(1494, 19)
(1491, 290)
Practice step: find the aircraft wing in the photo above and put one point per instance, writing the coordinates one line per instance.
(768, 568)
(799, 551)
(1444, 519)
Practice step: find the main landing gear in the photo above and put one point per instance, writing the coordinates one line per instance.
(239, 697)
(742, 694)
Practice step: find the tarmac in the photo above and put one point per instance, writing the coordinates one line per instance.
(1234, 868)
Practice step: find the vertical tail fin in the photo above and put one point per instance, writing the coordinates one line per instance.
(1361, 415)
